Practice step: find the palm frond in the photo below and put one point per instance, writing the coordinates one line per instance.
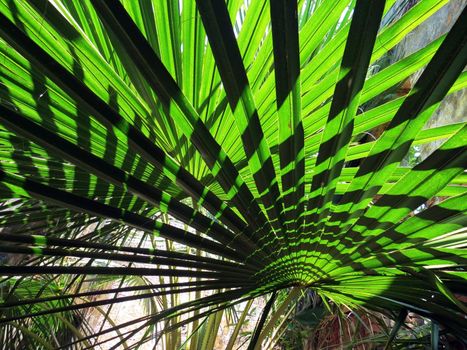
(223, 150)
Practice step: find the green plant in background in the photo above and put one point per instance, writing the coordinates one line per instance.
(213, 150)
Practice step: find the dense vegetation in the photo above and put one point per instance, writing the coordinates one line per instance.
(221, 151)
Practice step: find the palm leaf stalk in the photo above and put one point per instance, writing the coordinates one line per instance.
(241, 123)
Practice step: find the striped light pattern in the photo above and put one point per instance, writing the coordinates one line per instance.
(245, 123)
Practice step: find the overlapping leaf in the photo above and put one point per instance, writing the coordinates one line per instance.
(241, 124)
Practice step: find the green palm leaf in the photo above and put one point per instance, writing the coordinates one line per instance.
(217, 147)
